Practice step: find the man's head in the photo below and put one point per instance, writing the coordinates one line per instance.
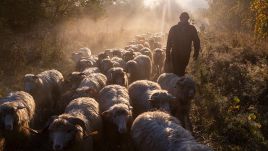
(184, 17)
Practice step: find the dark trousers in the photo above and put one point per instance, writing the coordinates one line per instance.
(179, 64)
(179, 69)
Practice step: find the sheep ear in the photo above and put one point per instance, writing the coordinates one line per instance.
(92, 134)
(126, 70)
(78, 121)
(19, 107)
(83, 89)
(32, 131)
(154, 97)
(75, 53)
(106, 113)
(35, 77)
(45, 128)
(82, 74)
(92, 91)
(172, 98)
(152, 100)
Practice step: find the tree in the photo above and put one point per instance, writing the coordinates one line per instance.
(260, 9)
(21, 15)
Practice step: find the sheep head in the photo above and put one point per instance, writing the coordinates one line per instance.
(32, 82)
(162, 100)
(65, 130)
(185, 88)
(119, 115)
(10, 115)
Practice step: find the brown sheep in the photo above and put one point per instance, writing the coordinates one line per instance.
(159, 61)
(16, 113)
(117, 76)
(147, 95)
(91, 85)
(184, 90)
(147, 52)
(158, 131)
(72, 130)
(139, 69)
(116, 112)
(45, 87)
(81, 53)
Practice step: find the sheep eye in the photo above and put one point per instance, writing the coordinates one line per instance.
(70, 131)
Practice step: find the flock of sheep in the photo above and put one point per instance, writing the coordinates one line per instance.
(117, 97)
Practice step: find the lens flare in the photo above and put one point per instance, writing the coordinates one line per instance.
(185, 4)
(192, 5)
(151, 3)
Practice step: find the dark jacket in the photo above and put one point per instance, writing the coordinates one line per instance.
(180, 40)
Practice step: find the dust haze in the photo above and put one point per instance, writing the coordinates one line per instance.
(122, 22)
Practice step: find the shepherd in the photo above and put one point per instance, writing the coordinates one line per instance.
(179, 45)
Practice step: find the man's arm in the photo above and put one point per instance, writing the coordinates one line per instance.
(196, 41)
(169, 44)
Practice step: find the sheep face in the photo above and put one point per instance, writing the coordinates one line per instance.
(159, 53)
(146, 44)
(147, 53)
(84, 63)
(130, 55)
(9, 116)
(117, 53)
(162, 100)
(63, 132)
(73, 80)
(31, 82)
(102, 56)
(185, 88)
(74, 76)
(119, 115)
(118, 77)
(77, 56)
(106, 64)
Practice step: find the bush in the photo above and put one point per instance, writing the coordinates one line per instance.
(20, 15)
(230, 105)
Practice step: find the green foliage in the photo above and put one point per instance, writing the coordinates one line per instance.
(260, 8)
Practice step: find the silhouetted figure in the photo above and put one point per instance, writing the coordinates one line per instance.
(179, 45)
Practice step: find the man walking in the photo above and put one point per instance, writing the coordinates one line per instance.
(179, 45)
